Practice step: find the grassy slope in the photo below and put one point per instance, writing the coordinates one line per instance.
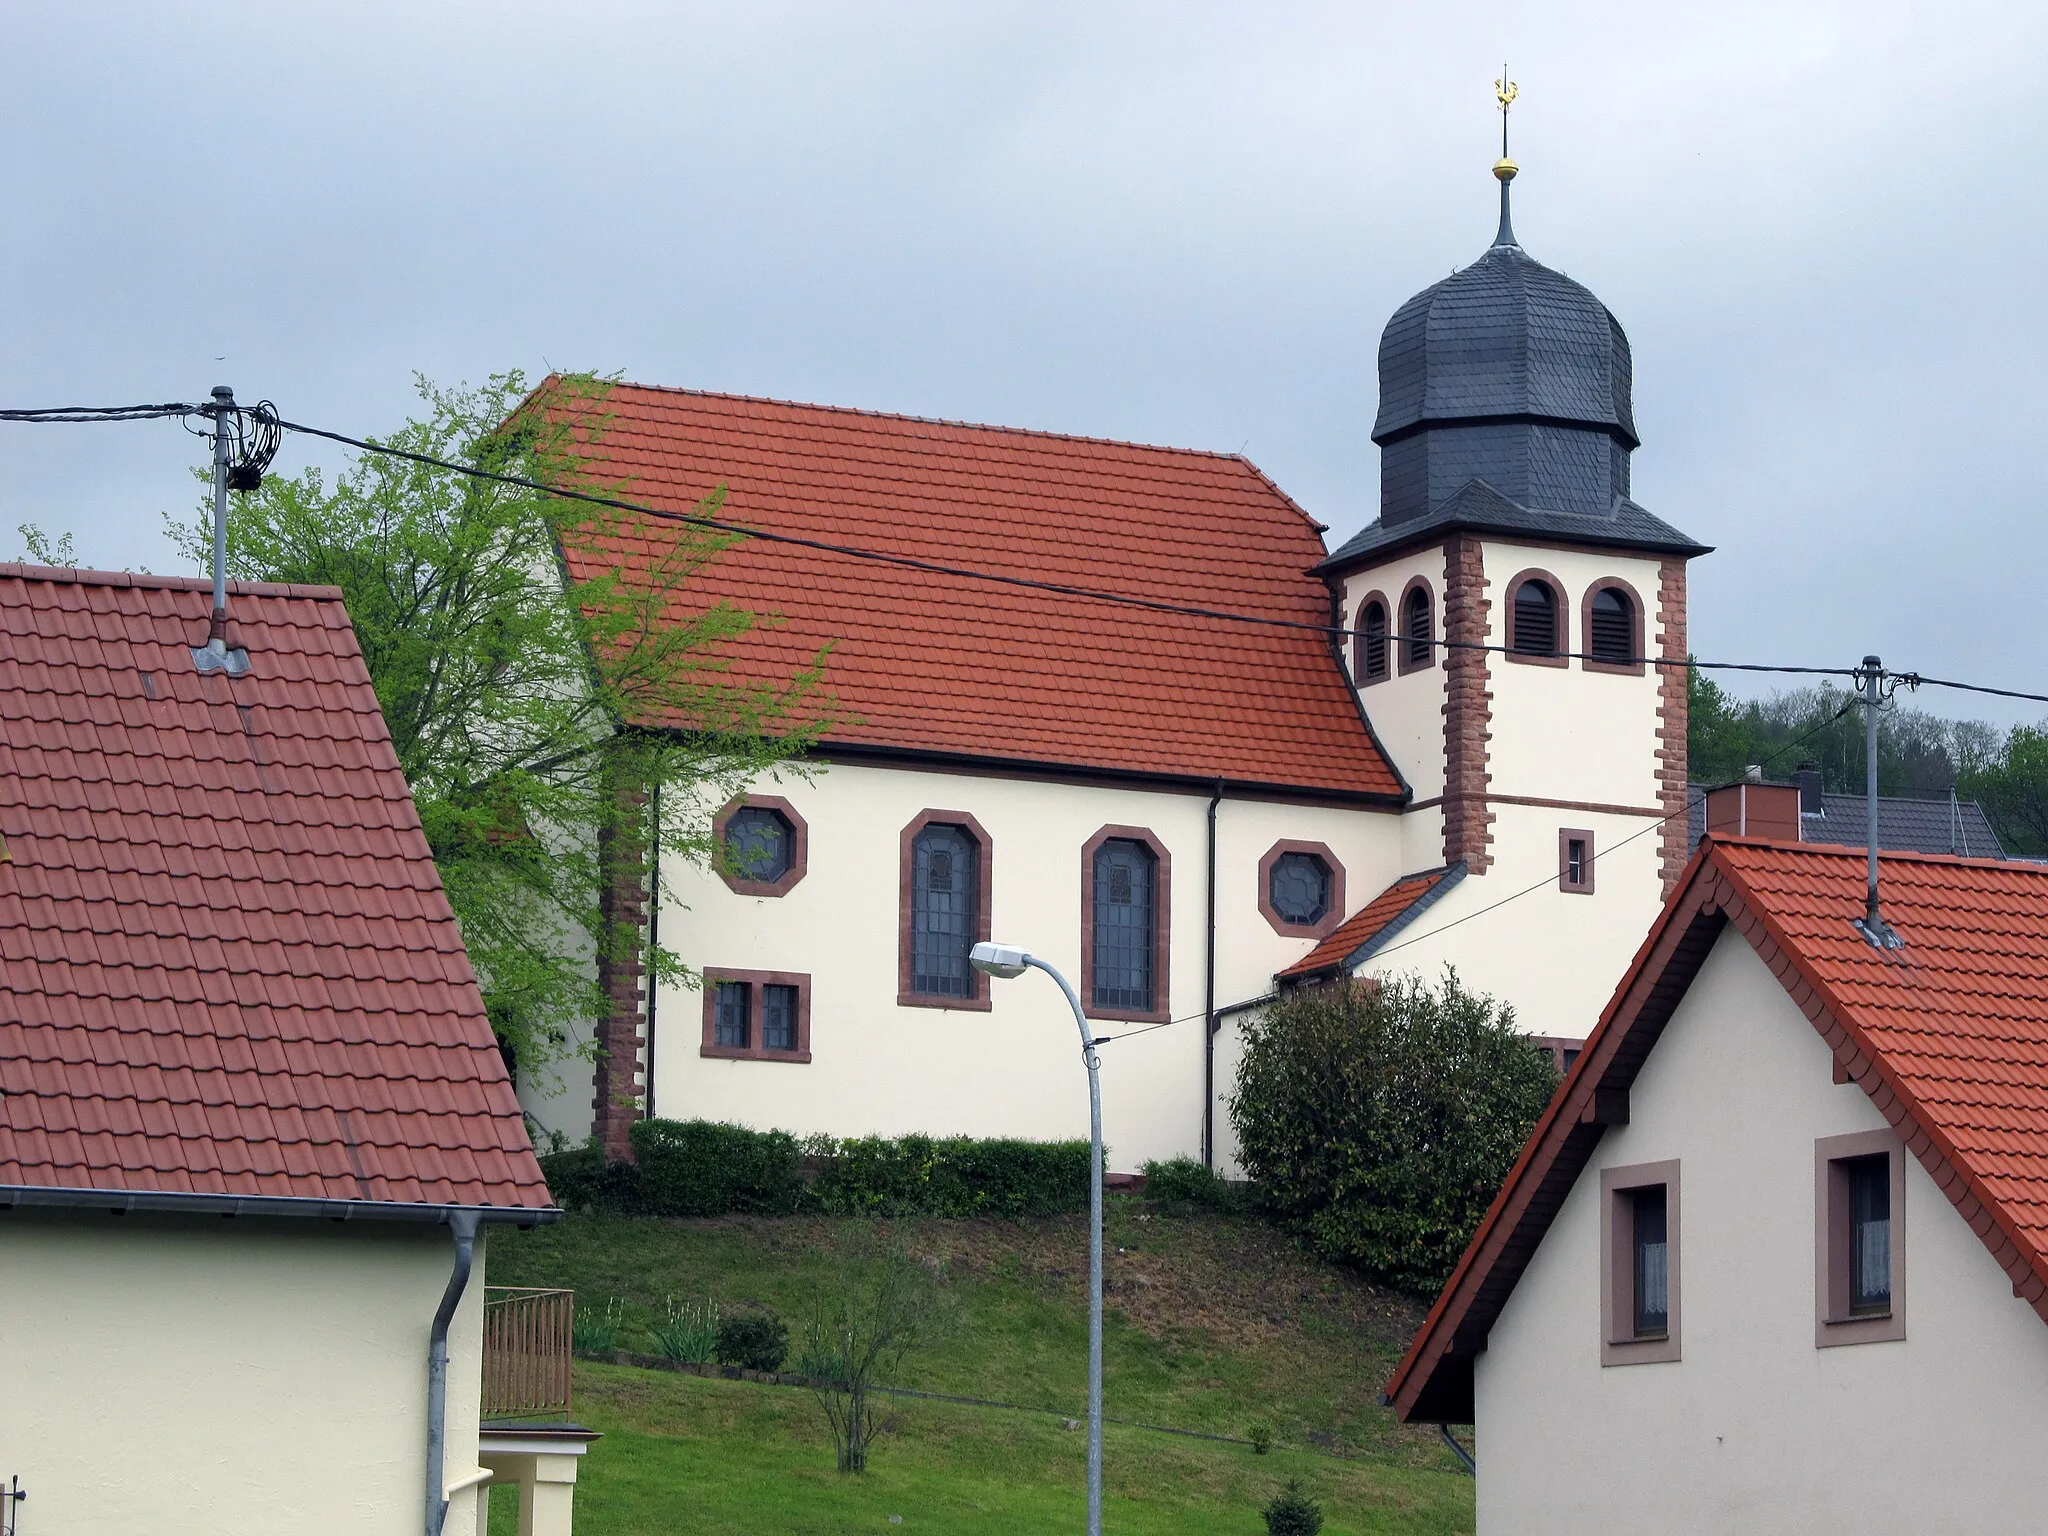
(1214, 1325)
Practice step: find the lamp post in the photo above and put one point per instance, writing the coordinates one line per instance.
(1006, 960)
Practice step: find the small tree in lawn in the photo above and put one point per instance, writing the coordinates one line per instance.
(878, 1308)
(515, 695)
(1379, 1118)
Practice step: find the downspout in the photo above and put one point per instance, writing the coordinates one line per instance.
(464, 1225)
(1209, 1001)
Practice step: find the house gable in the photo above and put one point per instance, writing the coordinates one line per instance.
(1970, 1100)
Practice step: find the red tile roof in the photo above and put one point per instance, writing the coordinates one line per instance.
(1948, 1036)
(1398, 903)
(226, 964)
(948, 665)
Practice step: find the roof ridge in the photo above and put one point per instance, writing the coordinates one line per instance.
(86, 576)
(1884, 855)
(873, 414)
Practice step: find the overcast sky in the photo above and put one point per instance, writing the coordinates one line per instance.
(1822, 225)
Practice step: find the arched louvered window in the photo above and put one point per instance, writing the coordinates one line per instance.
(944, 917)
(1370, 663)
(1126, 933)
(1611, 626)
(1535, 619)
(1417, 628)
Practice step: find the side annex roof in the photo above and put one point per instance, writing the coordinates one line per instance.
(1376, 924)
(1948, 1037)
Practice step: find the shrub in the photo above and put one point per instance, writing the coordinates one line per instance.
(1293, 1513)
(1379, 1121)
(1184, 1184)
(596, 1332)
(754, 1341)
(879, 1306)
(705, 1168)
(954, 1176)
(1261, 1437)
(688, 1333)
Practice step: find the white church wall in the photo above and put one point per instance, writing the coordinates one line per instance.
(1012, 1070)
(1754, 1429)
(1555, 955)
(1406, 708)
(1563, 732)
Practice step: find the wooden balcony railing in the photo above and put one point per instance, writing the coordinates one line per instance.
(528, 1334)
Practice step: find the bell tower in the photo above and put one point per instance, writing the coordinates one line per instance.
(1511, 606)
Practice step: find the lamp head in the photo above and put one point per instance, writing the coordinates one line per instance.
(1005, 960)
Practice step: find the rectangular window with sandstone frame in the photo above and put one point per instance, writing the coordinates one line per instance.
(1575, 861)
(1639, 1269)
(756, 1015)
(1859, 1239)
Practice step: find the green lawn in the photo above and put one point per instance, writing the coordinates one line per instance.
(687, 1454)
(1214, 1324)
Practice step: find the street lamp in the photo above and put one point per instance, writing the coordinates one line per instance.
(1006, 960)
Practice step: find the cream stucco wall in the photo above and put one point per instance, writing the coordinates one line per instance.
(1564, 733)
(218, 1377)
(1406, 708)
(1013, 1070)
(1755, 1430)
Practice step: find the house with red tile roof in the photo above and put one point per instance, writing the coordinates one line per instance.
(254, 1128)
(1123, 706)
(1776, 1256)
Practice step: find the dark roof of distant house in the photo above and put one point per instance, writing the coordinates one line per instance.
(1948, 1036)
(925, 666)
(1905, 824)
(1376, 924)
(1478, 508)
(227, 967)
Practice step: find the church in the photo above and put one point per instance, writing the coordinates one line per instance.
(1120, 705)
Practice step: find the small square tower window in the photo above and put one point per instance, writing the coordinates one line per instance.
(1575, 860)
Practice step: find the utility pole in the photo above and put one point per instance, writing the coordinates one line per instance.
(1872, 926)
(214, 656)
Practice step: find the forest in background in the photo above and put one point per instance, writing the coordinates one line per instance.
(1918, 753)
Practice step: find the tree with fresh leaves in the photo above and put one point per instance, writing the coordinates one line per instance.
(1917, 753)
(1379, 1117)
(879, 1306)
(511, 689)
(2011, 783)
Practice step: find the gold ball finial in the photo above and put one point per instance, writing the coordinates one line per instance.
(1504, 170)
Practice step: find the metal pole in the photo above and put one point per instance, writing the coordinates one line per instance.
(223, 403)
(1094, 1248)
(1873, 670)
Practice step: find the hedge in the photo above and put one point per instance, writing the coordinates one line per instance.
(706, 1168)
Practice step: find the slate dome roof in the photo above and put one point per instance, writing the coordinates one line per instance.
(1504, 337)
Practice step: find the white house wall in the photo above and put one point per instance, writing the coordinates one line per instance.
(199, 1376)
(1013, 1070)
(1755, 1430)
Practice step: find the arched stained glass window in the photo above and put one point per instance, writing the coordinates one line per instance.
(1126, 934)
(945, 890)
(1535, 619)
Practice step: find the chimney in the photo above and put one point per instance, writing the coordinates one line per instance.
(1755, 810)
(1807, 777)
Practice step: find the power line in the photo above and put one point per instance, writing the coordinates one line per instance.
(1917, 679)
(97, 413)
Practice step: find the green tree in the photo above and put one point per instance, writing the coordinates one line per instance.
(2011, 783)
(510, 689)
(1380, 1119)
